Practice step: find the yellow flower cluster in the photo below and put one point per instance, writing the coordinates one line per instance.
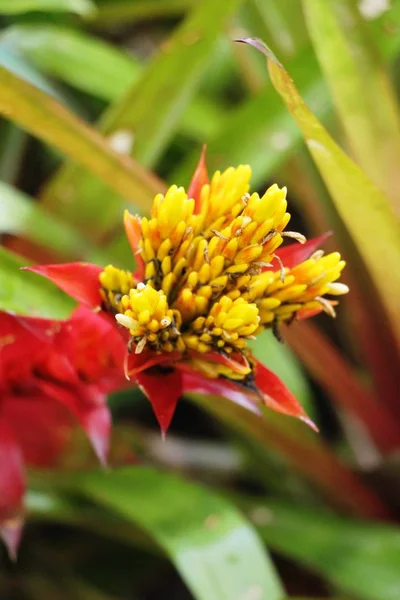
(208, 284)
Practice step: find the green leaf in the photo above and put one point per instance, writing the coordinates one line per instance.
(363, 208)
(260, 132)
(357, 558)
(171, 78)
(20, 215)
(188, 54)
(75, 57)
(93, 66)
(26, 293)
(360, 88)
(115, 11)
(215, 550)
(11, 61)
(42, 116)
(11, 151)
(81, 7)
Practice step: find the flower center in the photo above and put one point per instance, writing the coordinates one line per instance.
(208, 283)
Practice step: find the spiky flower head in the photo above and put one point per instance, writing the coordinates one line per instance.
(209, 277)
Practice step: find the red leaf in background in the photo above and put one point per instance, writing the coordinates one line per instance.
(163, 390)
(200, 178)
(296, 253)
(80, 280)
(89, 406)
(10, 533)
(12, 487)
(12, 480)
(41, 427)
(52, 374)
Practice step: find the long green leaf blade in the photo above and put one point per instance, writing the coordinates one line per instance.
(93, 66)
(117, 11)
(360, 88)
(365, 210)
(173, 78)
(357, 558)
(260, 131)
(42, 116)
(81, 7)
(83, 61)
(214, 548)
(20, 215)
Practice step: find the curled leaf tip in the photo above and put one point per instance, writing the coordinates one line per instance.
(261, 46)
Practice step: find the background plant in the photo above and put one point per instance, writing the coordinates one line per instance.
(104, 101)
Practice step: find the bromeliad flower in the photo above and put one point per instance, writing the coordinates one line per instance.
(210, 277)
(52, 375)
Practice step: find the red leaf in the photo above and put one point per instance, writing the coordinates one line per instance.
(136, 363)
(163, 390)
(13, 353)
(94, 347)
(296, 253)
(12, 486)
(88, 404)
(79, 280)
(10, 533)
(198, 384)
(270, 390)
(275, 395)
(200, 178)
(41, 427)
(96, 422)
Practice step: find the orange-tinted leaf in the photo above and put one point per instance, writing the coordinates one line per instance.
(49, 120)
(200, 178)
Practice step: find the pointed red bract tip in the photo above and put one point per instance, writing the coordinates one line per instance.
(199, 179)
(97, 426)
(310, 423)
(275, 395)
(134, 233)
(296, 253)
(10, 533)
(163, 391)
(80, 280)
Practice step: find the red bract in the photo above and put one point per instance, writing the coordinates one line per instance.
(152, 371)
(145, 302)
(53, 374)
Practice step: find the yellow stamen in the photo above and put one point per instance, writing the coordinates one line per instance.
(205, 286)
